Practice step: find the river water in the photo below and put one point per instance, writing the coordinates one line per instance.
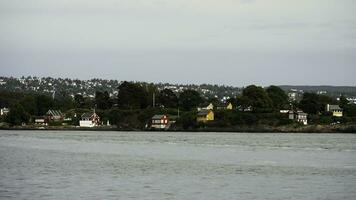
(132, 165)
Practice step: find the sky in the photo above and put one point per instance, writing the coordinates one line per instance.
(231, 42)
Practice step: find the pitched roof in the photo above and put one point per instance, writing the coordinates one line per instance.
(87, 115)
(54, 112)
(158, 116)
(334, 107)
(204, 112)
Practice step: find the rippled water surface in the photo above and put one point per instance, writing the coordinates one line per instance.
(120, 165)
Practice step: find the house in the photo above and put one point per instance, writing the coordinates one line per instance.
(54, 115)
(302, 117)
(89, 120)
(159, 121)
(41, 121)
(207, 107)
(224, 107)
(298, 116)
(335, 109)
(229, 106)
(284, 111)
(4, 111)
(205, 116)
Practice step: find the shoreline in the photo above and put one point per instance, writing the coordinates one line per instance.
(351, 129)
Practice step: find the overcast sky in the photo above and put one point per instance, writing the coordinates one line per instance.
(233, 42)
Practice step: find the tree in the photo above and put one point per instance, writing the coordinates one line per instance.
(343, 101)
(17, 115)
(79, 101)
(132, 96)
(63, 101)
(167, 98)
(29, 104)
(189, 99)
(257, 98)
(215, 101)
(312, 103)
(350, 110)
(44, 103)
(102, 100)
(278, 96)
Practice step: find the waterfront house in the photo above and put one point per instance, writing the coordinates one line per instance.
(54, 115)
(298, 116)
(89, 120)
(210, 106)
(224, 106)
(41, 121)
(335, 110)
(4, 111)
(205, 116)
(302, 117)
(159, 121)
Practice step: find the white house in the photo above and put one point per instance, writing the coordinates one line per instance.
(89, 120)
(298, 116)
(4, 111)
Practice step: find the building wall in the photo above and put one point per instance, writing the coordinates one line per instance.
(337, 113)
(229, 106)
(83, 123)
(210, 116)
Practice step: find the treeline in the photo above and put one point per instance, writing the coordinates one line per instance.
(136, 103)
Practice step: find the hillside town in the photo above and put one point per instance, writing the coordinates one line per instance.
(145, 106)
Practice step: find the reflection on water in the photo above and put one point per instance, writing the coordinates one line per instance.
(114, 165)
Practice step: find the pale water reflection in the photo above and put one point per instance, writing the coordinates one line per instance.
(119, 165)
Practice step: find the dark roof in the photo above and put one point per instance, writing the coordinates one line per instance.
(158, 116)
(203, 112)
(334, 107)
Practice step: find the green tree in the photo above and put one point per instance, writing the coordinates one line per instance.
(278, 96)
(44, 103)
(215, 101)
(312, 103)
(167, 98)
(343, 101)
(17, 115)
(257, 98)
(79, 101)
(102, 100)
(189, 99)
(350, 110)
(132, 96)
(63, 101)
(29, 104)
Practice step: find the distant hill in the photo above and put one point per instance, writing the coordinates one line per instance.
(330, 90)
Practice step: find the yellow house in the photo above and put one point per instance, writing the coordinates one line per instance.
(229, 106)
(335, 109)
(210, 107)
(205, 116)
(224, 106)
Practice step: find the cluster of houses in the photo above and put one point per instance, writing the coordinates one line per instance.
(86, 119)
(206, 114)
